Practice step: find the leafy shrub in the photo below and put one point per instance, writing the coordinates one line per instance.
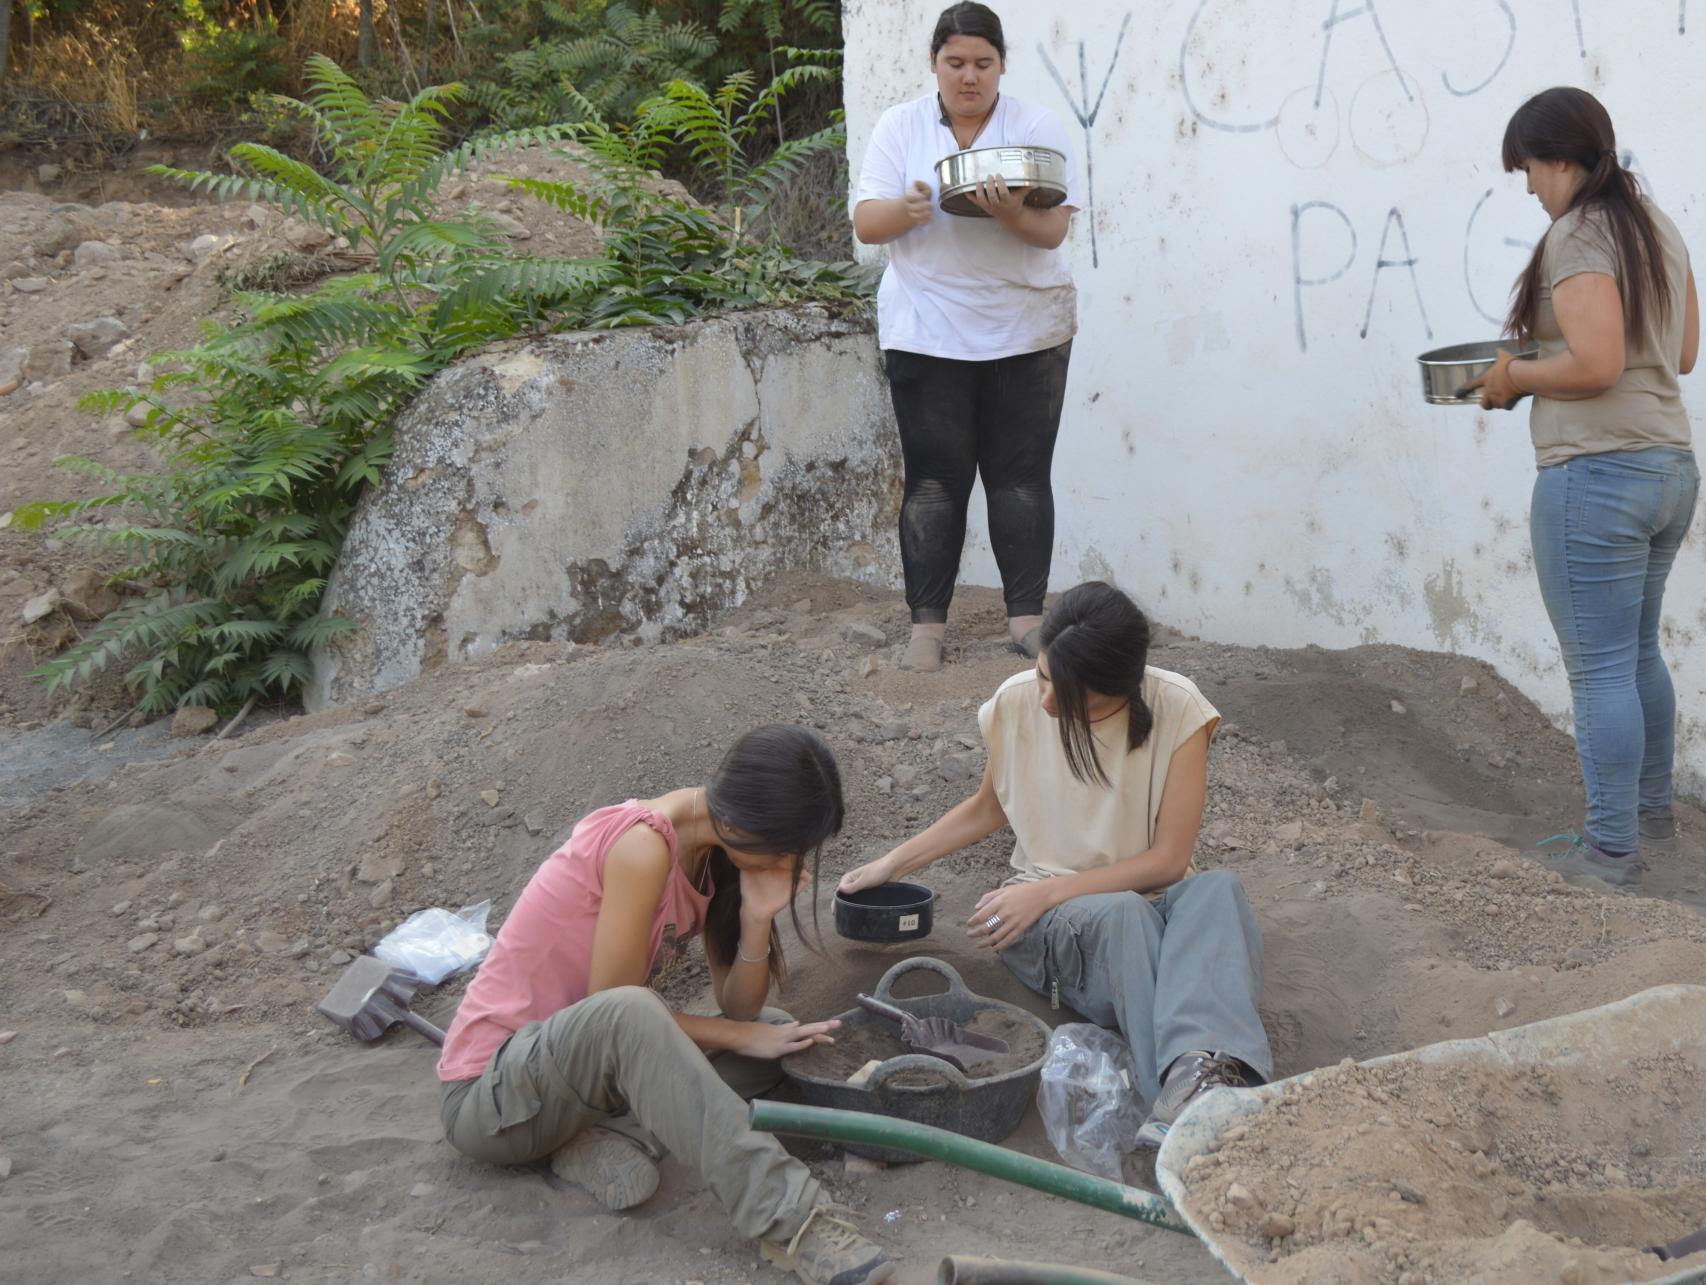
(271, 427)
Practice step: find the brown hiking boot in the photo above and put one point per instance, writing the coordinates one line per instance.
(614, 1170)
(828, 1250)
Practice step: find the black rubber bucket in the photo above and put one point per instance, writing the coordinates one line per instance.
(888, 912)
(924, 1089)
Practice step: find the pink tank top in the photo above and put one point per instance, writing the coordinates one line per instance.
(542, 957)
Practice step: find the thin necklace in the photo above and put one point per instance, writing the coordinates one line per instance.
(705, 866)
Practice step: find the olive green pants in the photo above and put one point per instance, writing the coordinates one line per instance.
(619, 1059)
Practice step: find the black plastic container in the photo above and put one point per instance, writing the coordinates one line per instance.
(888, 912)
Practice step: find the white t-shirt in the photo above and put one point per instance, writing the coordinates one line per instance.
(962, 287)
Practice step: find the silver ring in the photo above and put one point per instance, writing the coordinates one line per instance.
(992, 923)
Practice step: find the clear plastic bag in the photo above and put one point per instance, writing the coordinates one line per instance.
(433, 944)
(1088, 1098)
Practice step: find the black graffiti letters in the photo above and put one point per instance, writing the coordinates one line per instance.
(1301, 282)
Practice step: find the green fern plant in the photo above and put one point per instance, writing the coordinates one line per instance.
(271, 427)
(719, 127)
(387, 161)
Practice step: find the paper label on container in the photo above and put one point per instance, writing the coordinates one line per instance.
(908, 923)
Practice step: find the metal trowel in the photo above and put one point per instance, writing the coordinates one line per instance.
(372, 997)
(938, 1037)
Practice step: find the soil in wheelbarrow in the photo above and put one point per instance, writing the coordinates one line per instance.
(1410, 1173)
(878, 1041)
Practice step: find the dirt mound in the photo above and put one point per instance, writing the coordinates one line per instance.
(171, 919)
(1528, 1174)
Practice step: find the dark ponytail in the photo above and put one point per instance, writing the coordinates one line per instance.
(1569, 124)
(777, 790)
(1097, 643)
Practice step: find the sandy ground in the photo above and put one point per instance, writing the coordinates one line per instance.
(178, 1111)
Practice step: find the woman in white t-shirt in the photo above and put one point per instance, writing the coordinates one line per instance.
(1099, 762)
(975, 317)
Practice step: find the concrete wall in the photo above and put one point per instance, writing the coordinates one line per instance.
(638, 481)
(1290, 201)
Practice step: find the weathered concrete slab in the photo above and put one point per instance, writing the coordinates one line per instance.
(583, 485)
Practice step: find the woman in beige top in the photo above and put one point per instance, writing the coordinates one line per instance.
(1099, 762)
(1611, 301)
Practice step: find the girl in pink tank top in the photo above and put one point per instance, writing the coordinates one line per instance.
(560, 1050)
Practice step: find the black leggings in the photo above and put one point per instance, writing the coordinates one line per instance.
(961, 418)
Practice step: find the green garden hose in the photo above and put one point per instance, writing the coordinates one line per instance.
(956, 1149)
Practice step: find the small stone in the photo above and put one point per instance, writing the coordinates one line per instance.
(421, 1189)
(12, 369)
(63, 1051)
(207, 914)
(48, 172)
(29, 285)
(960, 767)
(512, 229)
(376, 867)
(434, 788)
(92, 254)
(340, 758)
(207, 243)
(491, 797)
(864, 634)
(5, 1168)
(41, 606)
(1370, 812)
(77, 999)
(1495, 760)
(270, 943)
(1398, 707)
(885, 785)
(1576, 956)
(191, 945)
(1277, 1226)
(137, 415)
(1572, 1273)
(1504, 868)
(475, 711)
(339, 958)
(50, 360)
(1240, 1196)
(1503, 1006)
(86, 595)
(905, 776)
(306, 237)
(95, 339)
(381, 895)
(862, 1167)
(194, 720)
(136, 945)
(868, 666)
(1289, 834)
(1468, 685)
(267, 1270)
(533, 823)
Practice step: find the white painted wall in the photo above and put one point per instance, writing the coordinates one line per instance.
(1249, 455)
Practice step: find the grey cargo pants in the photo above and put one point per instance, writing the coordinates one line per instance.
(1178, 974)
(620, 1051)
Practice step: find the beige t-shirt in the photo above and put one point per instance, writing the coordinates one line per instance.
(1064, 825)
(1645, 408)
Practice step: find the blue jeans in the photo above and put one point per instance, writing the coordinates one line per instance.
(1606, 529)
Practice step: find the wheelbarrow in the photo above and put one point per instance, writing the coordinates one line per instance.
(1664, 1018)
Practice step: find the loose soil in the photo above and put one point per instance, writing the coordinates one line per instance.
(859, 1042)
(1416, 1173)
(141, 1139)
